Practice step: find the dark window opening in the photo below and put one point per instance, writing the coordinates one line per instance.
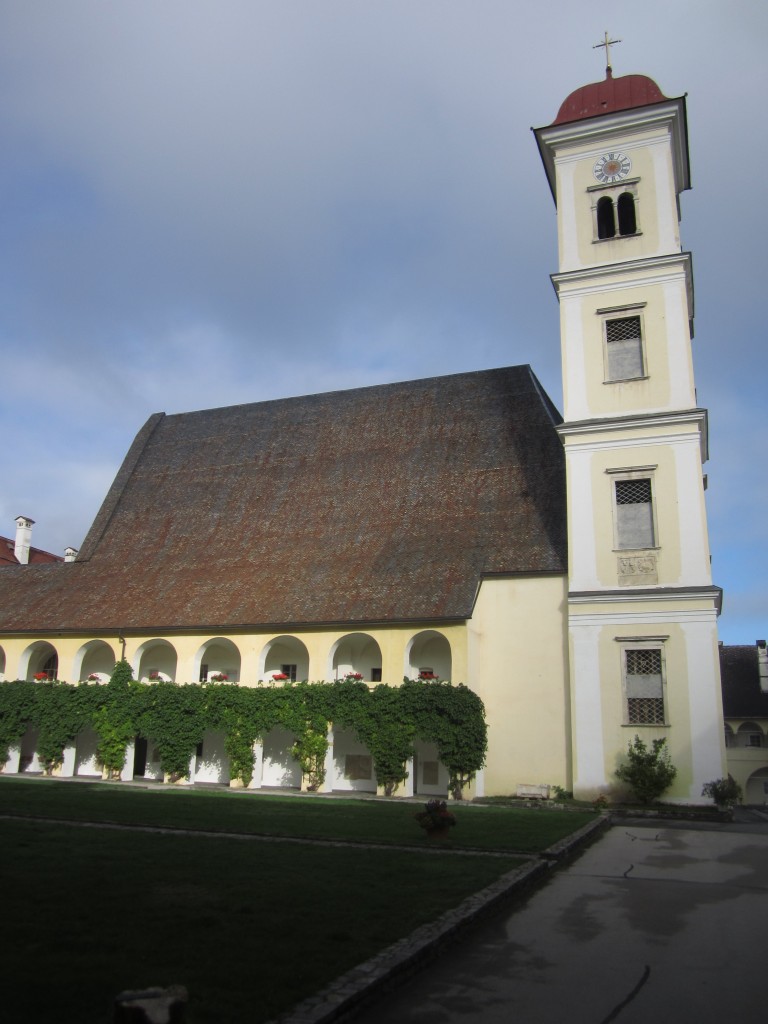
(606, 222)
(626, 211)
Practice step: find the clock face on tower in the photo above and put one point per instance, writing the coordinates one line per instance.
(612, 167)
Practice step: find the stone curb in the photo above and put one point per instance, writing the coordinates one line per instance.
(340, 1000)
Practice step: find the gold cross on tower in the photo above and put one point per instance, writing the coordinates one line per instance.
(607, 43)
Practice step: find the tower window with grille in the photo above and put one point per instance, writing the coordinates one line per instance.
(644, 686)
(624, 348)
(634, 514)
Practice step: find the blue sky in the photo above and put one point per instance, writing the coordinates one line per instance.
(206, 203)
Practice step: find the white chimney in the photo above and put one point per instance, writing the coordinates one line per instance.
(70, 554)
(762, 665)
(23, 539)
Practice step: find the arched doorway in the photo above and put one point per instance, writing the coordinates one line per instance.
(756, 791)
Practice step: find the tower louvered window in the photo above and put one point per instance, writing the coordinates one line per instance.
(624, 345)
(644, 687)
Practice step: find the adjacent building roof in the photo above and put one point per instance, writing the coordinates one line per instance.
(36, 555)
(378, 504)
(742, 695)
(608, 96)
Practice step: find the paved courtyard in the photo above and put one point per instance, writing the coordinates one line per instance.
(667, 924)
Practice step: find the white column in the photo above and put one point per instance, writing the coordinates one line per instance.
(67, 769)
(587, 708)
(192, 765)
(327, 786)
(126, 772)
(705, 705)
(410, 781)
(258, 765)
(11, 766)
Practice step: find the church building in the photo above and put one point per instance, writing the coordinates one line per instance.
(455, 527)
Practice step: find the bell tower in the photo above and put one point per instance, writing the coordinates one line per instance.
(642, 609)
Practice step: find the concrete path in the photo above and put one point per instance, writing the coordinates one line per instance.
(662, 924)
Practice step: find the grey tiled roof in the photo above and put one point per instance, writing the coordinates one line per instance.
(379, 504)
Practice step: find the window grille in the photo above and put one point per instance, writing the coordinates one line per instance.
(645, 697)
(634, 514)
(624, 348)
(633, 492)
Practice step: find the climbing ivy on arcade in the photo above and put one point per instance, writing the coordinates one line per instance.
(387, 720)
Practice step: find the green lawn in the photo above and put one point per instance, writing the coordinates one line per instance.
(250, 928)
(491, 828)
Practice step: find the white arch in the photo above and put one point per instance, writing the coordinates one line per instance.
(756, 789)
(429, 649)
(222, 657)
(354, 652)
(281, 651)
(35, 657)
(94, 658)
(155, 656)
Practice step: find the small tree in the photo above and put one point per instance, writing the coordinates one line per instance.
(725, 792)
(648, 772)
(309, 750)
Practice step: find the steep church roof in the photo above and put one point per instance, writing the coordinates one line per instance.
(378, 504)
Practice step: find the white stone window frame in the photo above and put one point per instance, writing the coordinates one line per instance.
(634, 473)
(625, 312)
(613, 191)
(646, 643)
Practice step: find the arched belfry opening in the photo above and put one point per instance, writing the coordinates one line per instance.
(626, 211)
(606, 220)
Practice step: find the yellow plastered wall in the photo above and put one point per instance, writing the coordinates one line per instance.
(518, 666)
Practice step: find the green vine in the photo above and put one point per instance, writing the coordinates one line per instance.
(387, 720)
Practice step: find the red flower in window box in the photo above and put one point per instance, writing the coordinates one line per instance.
(428, 675)
(40, 676)
(279, 676)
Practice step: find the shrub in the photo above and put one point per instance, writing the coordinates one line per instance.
(725, 792)
(648, 772)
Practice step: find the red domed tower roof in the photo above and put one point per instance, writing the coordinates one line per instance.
(609, 95)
